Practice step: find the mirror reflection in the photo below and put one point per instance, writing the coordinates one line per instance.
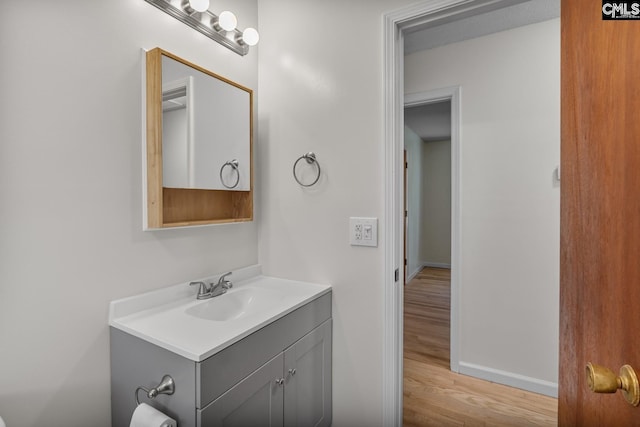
(198, 145)
(205, 127)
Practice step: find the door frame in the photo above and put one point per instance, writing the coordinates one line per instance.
(395, 23)
(451, 94)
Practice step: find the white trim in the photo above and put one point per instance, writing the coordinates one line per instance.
(431, 96)
(393, 296)
(435, 264)
(523, 382)
(410, 276)
(413, 274)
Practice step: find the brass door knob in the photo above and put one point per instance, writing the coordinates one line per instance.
(604, 380)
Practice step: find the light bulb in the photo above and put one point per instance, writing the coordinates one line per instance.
(250, 36)
(227, 21)
(199, 5)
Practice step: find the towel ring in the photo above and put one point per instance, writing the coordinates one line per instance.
(310, 157)
(166, 386)
(234, 165)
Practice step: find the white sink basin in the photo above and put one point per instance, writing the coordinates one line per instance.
(174, 319)
(235, 304)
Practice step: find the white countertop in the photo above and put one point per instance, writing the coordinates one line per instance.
(174, 319)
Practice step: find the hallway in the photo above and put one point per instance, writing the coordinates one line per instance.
(435, 396)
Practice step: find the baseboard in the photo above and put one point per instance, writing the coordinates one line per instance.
(436, 264)
(410, 276)
(509, 378)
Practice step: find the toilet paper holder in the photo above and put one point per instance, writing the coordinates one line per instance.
(166, 386)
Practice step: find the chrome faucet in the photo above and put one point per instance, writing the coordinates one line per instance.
(222, 285)
(204, 291)
(209, 291)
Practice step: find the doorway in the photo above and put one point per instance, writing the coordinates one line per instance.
(396, 25)
(427, 142)
(434, 119)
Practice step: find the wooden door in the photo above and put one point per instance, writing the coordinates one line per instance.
(600, 213)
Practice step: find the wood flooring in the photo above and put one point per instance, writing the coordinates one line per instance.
(435, 396)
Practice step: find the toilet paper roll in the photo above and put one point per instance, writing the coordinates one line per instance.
(148, 416)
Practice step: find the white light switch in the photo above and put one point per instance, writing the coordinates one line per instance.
(363, 231)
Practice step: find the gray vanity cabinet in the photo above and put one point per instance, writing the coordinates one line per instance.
(307, 374)
(292, 389)
(280, 375)
(255, 401)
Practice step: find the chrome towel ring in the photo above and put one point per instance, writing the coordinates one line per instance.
(234, 166)
(310, 157)
(166, 386)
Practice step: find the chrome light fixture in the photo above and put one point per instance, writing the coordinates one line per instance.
(221, 28)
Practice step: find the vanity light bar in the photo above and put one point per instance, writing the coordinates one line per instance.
(203, 22)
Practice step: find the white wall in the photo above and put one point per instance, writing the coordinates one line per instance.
(435, 210)
(414, 146)
(510, 146)
(321, 90)
(71, 236)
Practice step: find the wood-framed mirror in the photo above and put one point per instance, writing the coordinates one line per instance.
(199, 145)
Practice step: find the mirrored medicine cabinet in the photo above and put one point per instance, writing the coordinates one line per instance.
(199, 145)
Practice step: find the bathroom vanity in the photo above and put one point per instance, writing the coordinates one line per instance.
(258, 355)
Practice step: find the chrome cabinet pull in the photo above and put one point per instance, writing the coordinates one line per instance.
(292, 371)
(280, 381)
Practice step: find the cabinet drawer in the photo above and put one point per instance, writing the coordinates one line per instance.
(223, 370)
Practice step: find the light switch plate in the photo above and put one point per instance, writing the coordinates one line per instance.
(363, 231)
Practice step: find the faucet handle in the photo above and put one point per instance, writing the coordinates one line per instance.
(224, 282)
(202, 290)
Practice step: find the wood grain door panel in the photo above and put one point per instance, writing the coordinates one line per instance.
(600, 210)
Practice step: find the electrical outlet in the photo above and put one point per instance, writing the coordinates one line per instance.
(358, 232)
(363, 231)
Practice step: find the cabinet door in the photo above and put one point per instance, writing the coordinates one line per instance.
(307, 368)
(255, 401)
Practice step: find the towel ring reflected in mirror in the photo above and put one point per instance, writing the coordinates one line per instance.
(234, 167)
(311, 159)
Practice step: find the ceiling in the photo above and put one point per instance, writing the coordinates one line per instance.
(432, 122)
(524, 13)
